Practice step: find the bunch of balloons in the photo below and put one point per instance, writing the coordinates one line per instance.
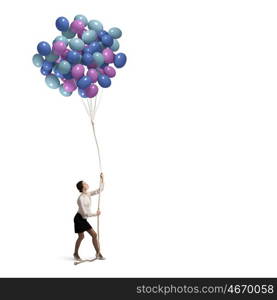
(80, 57)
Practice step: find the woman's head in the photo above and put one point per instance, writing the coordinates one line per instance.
(82, 186)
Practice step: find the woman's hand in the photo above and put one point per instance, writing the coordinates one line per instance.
(98, 213)
(102, 177)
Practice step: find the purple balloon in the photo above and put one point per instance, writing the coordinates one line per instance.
(110, 71)
(91, 91)
(78, 71)
(64, 54)
(81, 33)
(77, 26)
(92, 66)
(59, 47)
(70, 85)
(93, 74)
(108, 55)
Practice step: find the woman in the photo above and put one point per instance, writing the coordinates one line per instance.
(80, 219)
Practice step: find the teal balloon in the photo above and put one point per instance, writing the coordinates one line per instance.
(81, 18)
(68, 34)
(51, 57)
(52, 81)
(98, 58)
(95, 25)
(64, 92)
(76, 44)
(64, 67)
(37, 60)
(89, 36)
(115, 45)
(61, 38)
(115, 32)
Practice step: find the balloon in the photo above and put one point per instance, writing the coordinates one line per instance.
(95, 47)
(64, 92)
(68, 34)
(52, 81)
(108, 55)
(61, 38)
(84, 82)
(87, 59)
(44, 72)
(101, 33)
(107, 40)
(98, 58)
(69, 85)
(76, 44)
(64, 66)
(100, 70)
(89, 36)
(57, 72)
(68, 76)
(115, 32)
(43, 48)
(115, 45)
(59, 47)
(81, 18)
(37, 60)
(104, 80)
(62, 24)
(74, 57)
(91, 90)
(51, 57)
(65, 53)
(120, 60)
(82, 93)
(110, 71)
(78, 71)
(95, 25)
(77, 26)
(93, 74)
(47, 65)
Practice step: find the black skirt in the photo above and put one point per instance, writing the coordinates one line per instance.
(80, 224)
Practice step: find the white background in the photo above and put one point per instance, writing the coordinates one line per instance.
(187, 133)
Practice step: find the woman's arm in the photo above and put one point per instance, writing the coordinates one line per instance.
(85, 212)
(100, 189)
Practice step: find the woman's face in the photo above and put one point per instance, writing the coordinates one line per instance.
(85, 186)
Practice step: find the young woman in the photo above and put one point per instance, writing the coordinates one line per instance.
(80, 219)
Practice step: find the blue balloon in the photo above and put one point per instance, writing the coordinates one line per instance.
(44, 72)
(120, 60)
(87, 59)
(57, 72)
(47, 65)
(101, 33)
(82, 93)
(107, 40)
(62, 24)
(115, 45)
(104, 80)
(87, 50)
(73, 57)
(43, 48)
(84, 82)
(95, 47)
(68, 76)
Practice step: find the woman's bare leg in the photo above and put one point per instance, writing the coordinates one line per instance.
(78, 243)
(94, 240)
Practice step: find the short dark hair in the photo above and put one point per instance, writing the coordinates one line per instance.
(79, 186)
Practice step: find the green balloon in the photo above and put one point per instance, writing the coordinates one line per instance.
(62, 39)
(115, 45)
(68, 34)
(82, 18)
(98, 58)
(64, 92)
(52, 81)
(115, 32)
(76, 44)
(89, 36)
(37, 60)
(95, 25)
(51, 57)
(64, 67)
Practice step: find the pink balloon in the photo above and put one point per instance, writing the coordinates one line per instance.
(69, 85)
(91, 91)
(64, 54)
(93, 65)
(81, 33)
(78, 71)
(109, 71)
(108, 55)
(77, 26)
(59, 47)
(93, 74)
